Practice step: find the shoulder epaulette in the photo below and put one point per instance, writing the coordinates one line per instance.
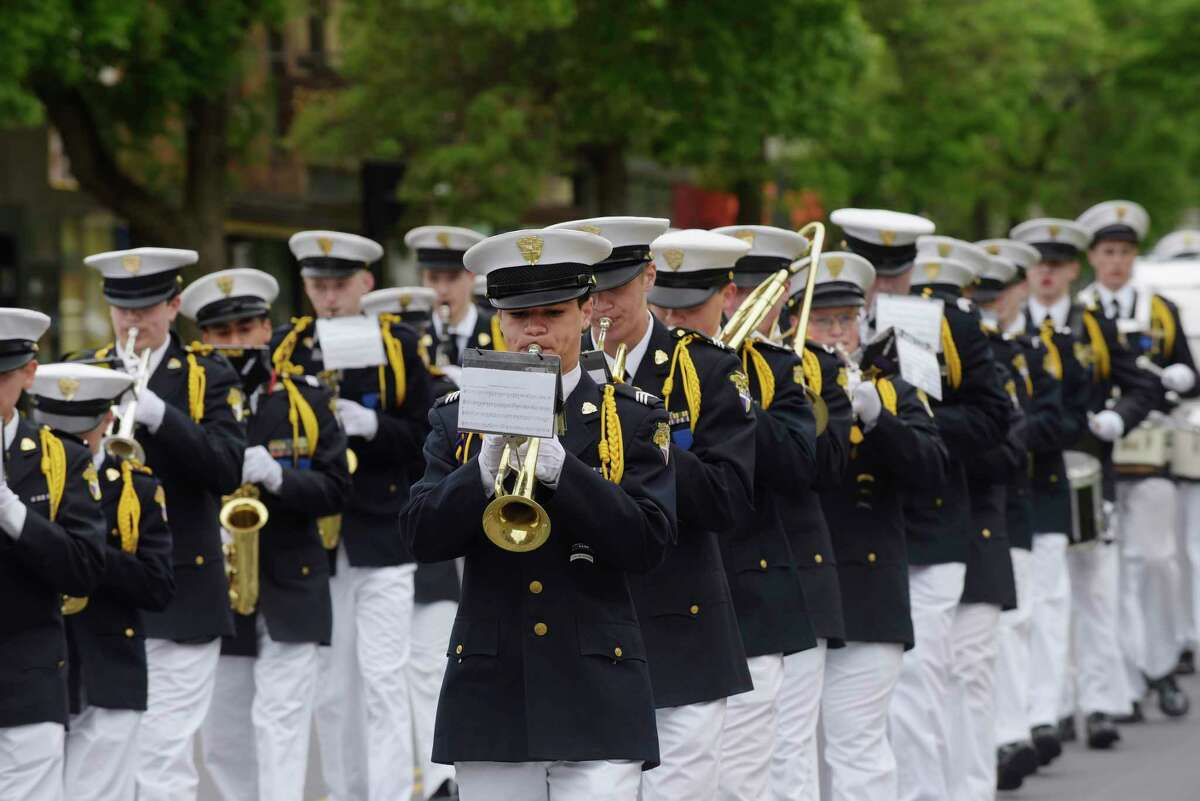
(700, 337)
(448, 398)
(766, 344)
(638, 395)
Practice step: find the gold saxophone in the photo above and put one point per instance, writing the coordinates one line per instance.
(243, 515)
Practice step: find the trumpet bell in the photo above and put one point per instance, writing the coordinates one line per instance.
(125, 448)
(517, 524)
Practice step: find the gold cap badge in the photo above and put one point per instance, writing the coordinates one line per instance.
(443, 239)
(994, 250)
(1053, 231)
(674, 259)
(131, 263)
(68, 387)
(589, 229)
(835, 264)
(887, 237)
(745, 236)
(944, 249)
(225, 284)
(325, 244)
(530, 248)
(932, 269)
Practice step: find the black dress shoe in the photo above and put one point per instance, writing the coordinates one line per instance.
(1066, 729)
(1009, 775)
(1101, 731)
(1172, 700)
(447, 791)
(1135, 716)
(1187, 663)
(1045, 740)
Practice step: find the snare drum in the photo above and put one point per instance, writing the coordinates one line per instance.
(1087, 496)
(1145, 446)
(1185, 444)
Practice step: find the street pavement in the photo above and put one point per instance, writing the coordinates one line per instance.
(1158, 760)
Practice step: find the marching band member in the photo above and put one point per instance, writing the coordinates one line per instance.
(944, 268)
(1032, 379)
(547, 692)
(759, 564)
(436, 585)
(895, 448)
(187, 423)
(685, 605)
(364, 715)
(795, 774)
(106, 641)
(256, 737)
(1099, 686)
(972, 414)
(51, 544)
(1146, 498)
(457, 323)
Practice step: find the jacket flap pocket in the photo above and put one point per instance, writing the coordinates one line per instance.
(615, 641)
(473, 638)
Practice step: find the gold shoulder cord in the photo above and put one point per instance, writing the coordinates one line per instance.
(950, 351)
(762, 371)
(1100, 355)
(285, 349)
(54, 468)
(1162, 319)
(691, 381)
(129, 508)
(300, 412)
(812, 372)
(1053, 361)
(395, 359)
(498, 342)
(197, 380)
(612, 444)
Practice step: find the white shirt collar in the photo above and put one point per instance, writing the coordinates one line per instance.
(462, 328)
(1125, 297)
(633, 357)
(1016, 327)
(1058, 311)
(570, 380)
(156, 355)
(10, 429)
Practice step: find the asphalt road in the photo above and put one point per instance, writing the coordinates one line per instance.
(1158, 760)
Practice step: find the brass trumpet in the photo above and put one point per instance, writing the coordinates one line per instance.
(243, 515)
(122, 444)
(515, 521)
(605, 324)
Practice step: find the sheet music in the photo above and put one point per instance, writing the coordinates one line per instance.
(919, 317)
(503, 393)
(918, 365)
(350, 342)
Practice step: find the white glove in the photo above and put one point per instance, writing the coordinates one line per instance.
(550, 461)
(489, 461)
(1107, 425)
(259, 467)
(358, 420)
(12, 512)
(866, 404)
(150, 410)
(1178, 378)
(854, 380)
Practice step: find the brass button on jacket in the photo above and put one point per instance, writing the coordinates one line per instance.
(540, 629)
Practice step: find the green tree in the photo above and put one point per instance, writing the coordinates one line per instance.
(150, 101)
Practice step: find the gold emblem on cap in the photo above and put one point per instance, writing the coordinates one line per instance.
(225, 284)
(887, 237)
(443, 239)
(68, 387)
(660, 357)
(1188, 240)
(745, 236)
(405, 302)
(835, 264)
(530, 248)
(932, 269)
(1053, 231)
(674, 259)
(589, 229)
(131, 263)
(1121, 212)
(944, 249)
(994, 250)
(325, 244)
(588, 407)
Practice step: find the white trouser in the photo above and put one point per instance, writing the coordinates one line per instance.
(973, 739)
(364, 718)
(1189, 538)
(102, 755)
(794, 770)
(180, 680)
(426, 665)
(859, 680)
(921, 713)
(689, 747)
(748, 735)
(256, 736)
(1012, 656)
(1049, 630)
(31, 762)
(1098, 682)
(1149, 579)
(548, 781)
